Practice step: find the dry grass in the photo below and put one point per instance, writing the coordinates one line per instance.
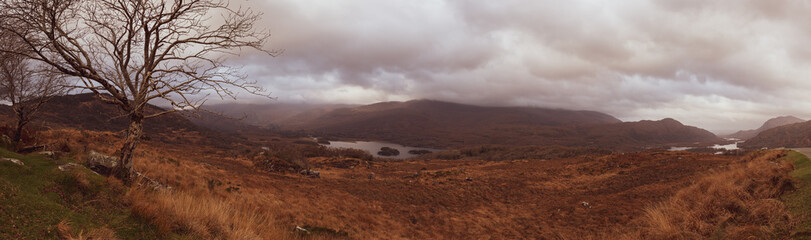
(506, 199)
(66, 231)
(737, 203)
(203, 216)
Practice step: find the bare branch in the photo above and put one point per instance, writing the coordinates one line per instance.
(134, 51)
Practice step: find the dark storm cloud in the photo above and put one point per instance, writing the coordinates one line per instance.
(715, 64)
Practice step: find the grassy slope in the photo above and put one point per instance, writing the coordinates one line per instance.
(798, 201)
(36, 197)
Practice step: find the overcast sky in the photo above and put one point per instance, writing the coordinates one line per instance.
(719, 65)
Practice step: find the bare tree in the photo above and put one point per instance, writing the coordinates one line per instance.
(23, 84)
(130, 52)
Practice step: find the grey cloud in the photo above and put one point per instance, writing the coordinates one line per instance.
(716, 64)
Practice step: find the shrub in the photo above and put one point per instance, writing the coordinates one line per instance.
(502, 153)
(387, 151)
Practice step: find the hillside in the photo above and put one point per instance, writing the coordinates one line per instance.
(87, 112)
(644, 133)
(793, 135)
(269, 115)
(442, 124)
(229, 192)
(436, 124)
(769, 124)
(566, 193)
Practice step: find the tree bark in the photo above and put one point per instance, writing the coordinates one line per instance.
(22, 120)
(19, 131)
(125, 170)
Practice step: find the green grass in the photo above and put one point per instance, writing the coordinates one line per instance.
(799, 202)
(34, 198)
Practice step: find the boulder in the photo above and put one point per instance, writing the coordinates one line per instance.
(50, 154)
(151, 183)
(310, 173)
(301, 230)
(101, 163)
(12, 160)
(68, 167)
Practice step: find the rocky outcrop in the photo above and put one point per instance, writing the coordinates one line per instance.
(101, 163)
(69, 167)
(12, 160)
(310, 173)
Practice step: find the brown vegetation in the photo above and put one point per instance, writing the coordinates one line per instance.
(204, 215)
(225, 189)
(739, 202)
(538, 193)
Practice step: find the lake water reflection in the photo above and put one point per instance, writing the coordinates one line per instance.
(374, 147)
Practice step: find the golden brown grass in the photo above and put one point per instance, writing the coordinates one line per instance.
(204, 216)
(505, 199)
(737, 203)
(66, 231)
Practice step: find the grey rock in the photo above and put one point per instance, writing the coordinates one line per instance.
(301, 230)
(68, 167)
(51, 154)
(101, 163)
(151, 183)
(372, 176)
(310, 173)
(12, 160)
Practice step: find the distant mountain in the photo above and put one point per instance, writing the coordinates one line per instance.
(86, 111)
(428, 123)
(423, 123)
(644, 133)
(771, 123)
(792, 135)
(272, 114)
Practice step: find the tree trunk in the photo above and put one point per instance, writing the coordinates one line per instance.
(18, 133)
(125, 170)
(22, 120)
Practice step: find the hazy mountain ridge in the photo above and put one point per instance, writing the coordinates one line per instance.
(264, 115)
(424, 123)
(87, 112)
(769, 124)
(792, 135)
(429, 123)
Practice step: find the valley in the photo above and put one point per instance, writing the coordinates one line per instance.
(253, 177)
(334, 120)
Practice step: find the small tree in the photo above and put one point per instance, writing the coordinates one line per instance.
(23, 85)
(130, 52)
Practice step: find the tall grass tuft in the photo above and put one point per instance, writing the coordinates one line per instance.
(737, 203)
(203, 216)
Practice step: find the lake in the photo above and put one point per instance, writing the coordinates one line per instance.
(374, 147)
(731, 146)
